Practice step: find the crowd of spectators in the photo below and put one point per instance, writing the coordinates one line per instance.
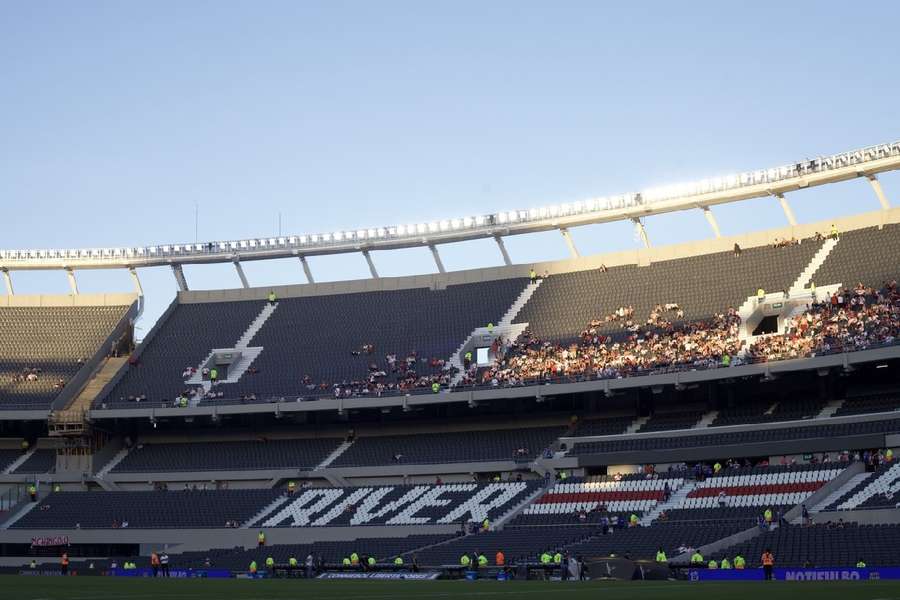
(662, 342)
(852, 319)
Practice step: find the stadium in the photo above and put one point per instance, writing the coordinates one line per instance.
(467, 363)
(622, 416)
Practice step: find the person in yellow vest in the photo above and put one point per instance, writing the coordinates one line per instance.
(725, 564)
(435, 387)
(57, 488)
(482, 561)
(532, 274)
(270, 564)
(252, 567)
(767, 515)
(717, 467)
(490, 328)
(712, 565)
(768, 564)
(860, 564)
(32, 491)
(661, 556)
(563, 475)
(398, 562)
(888, 455)
(272, 297)
(557, 558)
(467, 359)
(633, 520)
(292, 487)
(346, 562)
(213, 374)
(739, 563)
(465, 561)
(726, 360)
(485, 525)
(696, 559)
(370, 562)
(834, 231)
(261, 539)
(546, 559)
(354, 559)
(292, 563)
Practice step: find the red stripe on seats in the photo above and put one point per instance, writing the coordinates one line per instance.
(750, 490)
(600, 497)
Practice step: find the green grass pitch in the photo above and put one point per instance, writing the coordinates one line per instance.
(102, 588)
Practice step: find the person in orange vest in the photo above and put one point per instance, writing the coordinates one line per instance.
(64, 563)
(768, 562)
(154, 563)
(500, 559)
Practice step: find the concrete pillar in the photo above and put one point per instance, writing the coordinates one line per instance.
(788, 213)
(306, 270)
(137, 282)
(241, 274)
(711, 219)
(573, 251)
(179, 277)
(639, 227)
(8, 279)
(437, 258)
(73, 284)
(502, 246)
(876, 185)
(371, 263)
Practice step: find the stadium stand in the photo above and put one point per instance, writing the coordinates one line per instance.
(145, 510)
(41, 461)
(702, 286)
(43, 347)
(302, 454)
(467, 446)
(825, 545)
(735, 437)
(453, 503)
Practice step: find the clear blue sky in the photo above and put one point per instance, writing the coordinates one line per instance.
(116, 117)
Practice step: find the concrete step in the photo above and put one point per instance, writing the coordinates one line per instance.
(636, 424)
(18, 462)
(333, 456)
(116, 459)
(85, 398)
(817, 261)
(829, 409)
(706, 420)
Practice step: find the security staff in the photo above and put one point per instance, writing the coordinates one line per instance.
(485, 525)
(292, 487)
(261, 539)
(292, 563)
(490, 328)
(834, 231)
(370, 562)
(213, 374)
(633, 520)
(712, 565)
(270, 564)
(739, 563)
(354, 559)
(435, 387)
(768, 563)
(346, 562)
(860, 564)
(482, 561)
(661, 556)
(725, 564)
(500, 558)
(398, 562)
(465, 561)
(253, 567)
(557, 558)
(546, 559)
(32, 491)
(532, 275)
(272, 297)
(696, 559)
